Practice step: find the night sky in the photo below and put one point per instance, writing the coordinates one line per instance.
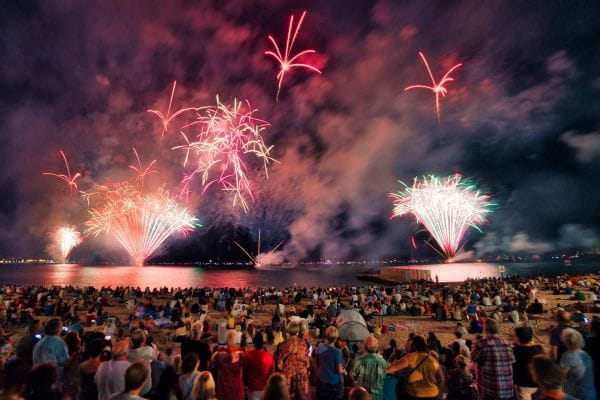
(522, 118)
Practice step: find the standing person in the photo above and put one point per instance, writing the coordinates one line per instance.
(548, 376)
(28, 342)
(87, 389)
(229, 362)
(592, 346)
(494, 358)
(42, 382)
(276, 388)
(579, 366)
(136, 377)
(258, 366)
(194, 344)
(293, 361)
(52, 348)
(330, 363)
(189, 375)
(167, 387)
(204, 387)
(425, 378)
(557, 348)
(139, 350)
(460, 381)
(369, 369)
(524, 350)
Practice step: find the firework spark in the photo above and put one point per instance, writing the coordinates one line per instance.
(226, 134)
(286, 60)
(167, 118)
(139, 222)
(446, 207)
(141, 171)
(438, 88)
(64, 239)
(68, 178)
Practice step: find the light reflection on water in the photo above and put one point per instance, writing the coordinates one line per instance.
(304, 275)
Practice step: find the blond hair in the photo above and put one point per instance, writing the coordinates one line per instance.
(204, 387)
(332, 334)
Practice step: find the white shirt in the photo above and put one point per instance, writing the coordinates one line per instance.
(110, 378)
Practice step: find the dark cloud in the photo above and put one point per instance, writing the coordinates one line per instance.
(520, 119)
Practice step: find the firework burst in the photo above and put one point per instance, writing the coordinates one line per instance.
(139, 222)
(446, 207)
(166, 119)
(69, 179)
(438, 88)
(140, 170)
(226, 135)
(286, 60)
(64, 239)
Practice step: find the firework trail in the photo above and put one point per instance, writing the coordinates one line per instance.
(446, 207)
(68, 178)
(139, 222)
(286, 60)
(167, 118)
(437, 88)
(226, 135)
(141, 171)
(64, 239)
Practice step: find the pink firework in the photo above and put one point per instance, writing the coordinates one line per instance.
(227, 135)
(141, 171)
(167, 118)
(67, 178)
(286, 60)
(437, 88)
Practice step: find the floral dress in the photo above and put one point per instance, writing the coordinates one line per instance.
(293, 362)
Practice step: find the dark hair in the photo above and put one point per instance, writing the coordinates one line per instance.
(189, 362)
(259, 340)
(136, 375)
(419, 345)
(546, 372)
(524, 334)
(40, 381)
(393, 343)
(15, 373)
(490, 327)
(166, 384)
(95, 347)
(458, 334)
(52, 327)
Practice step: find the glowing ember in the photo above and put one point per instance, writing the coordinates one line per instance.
(68, 178)
(167, 118)
(446, 207)
(286, 60)
(139, 222)
(437, 88)
(226, 135)
(141, 171)
(64, 239)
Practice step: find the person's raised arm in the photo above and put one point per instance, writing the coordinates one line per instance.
(398, 365)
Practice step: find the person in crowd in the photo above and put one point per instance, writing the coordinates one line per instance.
(42, 383)
(293, 362)
(557, 348)
(460, 381)
(579, 366)
(51, 348)
(229, 362)
(592, 347)
(258, 366)
(110, 376)
(524, 350)
(330, 364)
(276, 388)
(549, 377)
(136, 378)
(425, 378)
(13, 379)
(204, 387)
(359, 393)
(139, 350)
(387, 353)
(370, 368)
(494, 358)
(28, 341)
(168, 386)
(195, 344)
(87, 371)
(190, 372)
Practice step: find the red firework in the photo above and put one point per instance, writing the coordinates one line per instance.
(68, 178)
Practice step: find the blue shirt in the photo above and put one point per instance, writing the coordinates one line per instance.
(50, 349)
(580, 378)
(328, 358)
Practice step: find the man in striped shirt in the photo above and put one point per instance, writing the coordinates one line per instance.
(494, 357)
(369, 369)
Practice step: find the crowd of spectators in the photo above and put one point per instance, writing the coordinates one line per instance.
(200, 343)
